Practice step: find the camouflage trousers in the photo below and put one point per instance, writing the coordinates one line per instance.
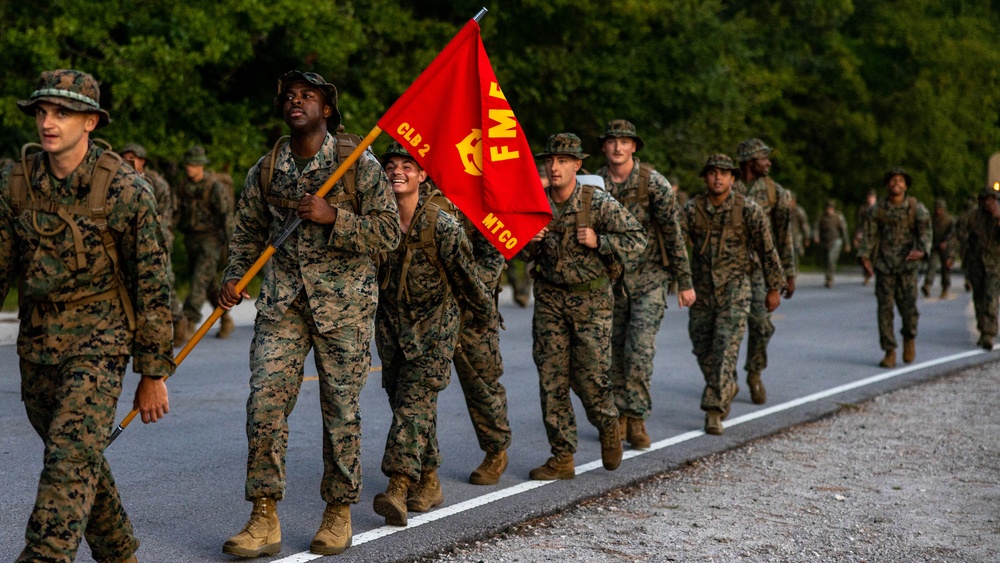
(571, 341)
(985, 296)
(635, 322)
(520, 281)
(899, 290)
(479, 367)
(204, 254)
(716, 326)
(831, 255)
(760, 328)
(413, 386)
(72, 408)
(937, 260)
(277, 360)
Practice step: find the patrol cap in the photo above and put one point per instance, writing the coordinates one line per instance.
(395, 149)
(722, 162)
(621, 128)
(831, 203)
(563, 143)
(897, 172)
(135, 148)
(329, 90)
(196, 155)
(751, 149)
(72, 89)
(940, 203)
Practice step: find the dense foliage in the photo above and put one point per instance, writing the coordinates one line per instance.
(842, 89)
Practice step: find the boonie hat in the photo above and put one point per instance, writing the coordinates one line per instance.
(72, 89)
(621, 128)
(720, 161)
(134, 148)
(897, 172)
(195, 155)
(395, 149)
(751, 149)
(563, 143)
(329, 90)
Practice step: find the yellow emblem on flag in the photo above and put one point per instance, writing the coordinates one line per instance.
(470, 151)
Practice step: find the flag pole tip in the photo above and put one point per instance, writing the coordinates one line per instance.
(481, 13)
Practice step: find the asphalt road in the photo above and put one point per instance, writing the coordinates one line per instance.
(182, 478)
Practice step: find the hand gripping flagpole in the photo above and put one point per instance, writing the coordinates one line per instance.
(291, 224)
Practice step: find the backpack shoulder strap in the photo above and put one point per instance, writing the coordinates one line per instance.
(912, 203)
(645, 171)
(586, 198)
(100, 180)
(267, 167)
(772, 191)
(346, 143)
(739, 201)
(19, 177)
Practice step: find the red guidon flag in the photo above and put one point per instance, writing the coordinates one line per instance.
(456, 123)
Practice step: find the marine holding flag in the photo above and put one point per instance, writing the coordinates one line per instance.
(319, 292)
(479, 154)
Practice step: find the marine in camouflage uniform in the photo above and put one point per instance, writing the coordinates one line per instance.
(979, 234)
(641, 293)
(755, 164)
(478, 362)
(860, 218)
(319, 292)
(801, 232)
(722, 259)
(205, 216)
(571, 327)
(942, 242)
(479, 366)
(830, 234)
(78, 324)
(135, 155)
(896, 239)
(426, 284)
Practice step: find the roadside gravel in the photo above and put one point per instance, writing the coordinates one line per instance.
(909, 476)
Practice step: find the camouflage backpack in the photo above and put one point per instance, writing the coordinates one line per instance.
(642, 197)
(426, 240)
(614, 267)
(704, 223)
(911, 217)
(346, 143)
(24, 199)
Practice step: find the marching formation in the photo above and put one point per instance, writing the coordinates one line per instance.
(385, 256)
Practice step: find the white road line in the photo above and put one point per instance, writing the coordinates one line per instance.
(526, 486)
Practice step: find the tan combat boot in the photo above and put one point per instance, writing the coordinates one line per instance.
(909, 350)
(227, 326)
(757, 392)
(261, 535)
(334, 535)
(636, 432)
(182, 331)
(490, 470)
(557, 467)
(131, 559)
(713, 422)
(611, 446)
(427, 494)
(889, 361)
(392, 503)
